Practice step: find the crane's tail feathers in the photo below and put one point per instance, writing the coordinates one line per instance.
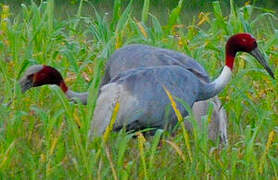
(109, 96)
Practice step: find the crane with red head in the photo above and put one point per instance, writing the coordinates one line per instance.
(140, 91)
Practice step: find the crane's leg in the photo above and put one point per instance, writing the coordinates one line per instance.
(218, 125)
(220, 116)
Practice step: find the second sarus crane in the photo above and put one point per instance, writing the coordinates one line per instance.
(139, 56)
(140, 92)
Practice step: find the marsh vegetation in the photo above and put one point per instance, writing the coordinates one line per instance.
(43, 136)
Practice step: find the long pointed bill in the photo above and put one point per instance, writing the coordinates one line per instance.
(25, 84)
(258, 55)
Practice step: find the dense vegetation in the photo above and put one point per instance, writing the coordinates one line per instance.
(42, 135)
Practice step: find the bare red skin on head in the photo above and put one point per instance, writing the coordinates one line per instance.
(49, 75)
(239, 42)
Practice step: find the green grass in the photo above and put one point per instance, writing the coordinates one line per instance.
(43, 136)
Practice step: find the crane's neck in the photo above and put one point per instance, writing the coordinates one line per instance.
(74, 96)
(211, 89)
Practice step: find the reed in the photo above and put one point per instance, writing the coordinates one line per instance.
(43, 136)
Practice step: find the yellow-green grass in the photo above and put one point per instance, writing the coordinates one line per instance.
(43, 136)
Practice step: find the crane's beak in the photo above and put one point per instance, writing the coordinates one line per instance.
(258, 55)
(25, 84)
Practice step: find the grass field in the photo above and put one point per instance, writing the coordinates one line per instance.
(43, 136)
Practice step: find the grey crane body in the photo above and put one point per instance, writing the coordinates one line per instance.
(140, 91)
(138, 55)
(143, 100)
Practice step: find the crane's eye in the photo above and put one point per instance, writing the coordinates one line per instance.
(255, 44)
(30, 77)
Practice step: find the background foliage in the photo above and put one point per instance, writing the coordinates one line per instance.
(42, 135)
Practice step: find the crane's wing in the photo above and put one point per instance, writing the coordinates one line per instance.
(136, 55)
(188, 62)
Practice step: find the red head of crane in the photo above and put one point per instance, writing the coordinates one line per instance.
(180, 82)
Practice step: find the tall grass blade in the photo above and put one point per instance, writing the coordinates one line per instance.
(50, 14)
(157, 29)
(123, 145)
(177, 149)
(116, 12)
(6, 156)
(267, 147)
(112, 122)
(236, 24)
(141, 141)
(220, 22)
(142, 29)
(174, 15)
(124, 17)
(4, 18)
(180, 119)
(78, 15)
(156, 140)
(122, 22)
(145, 11)
(111, 163)
(93, 89)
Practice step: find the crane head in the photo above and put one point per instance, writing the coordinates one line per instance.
(241, 42)
(244, 42)
(38, 75)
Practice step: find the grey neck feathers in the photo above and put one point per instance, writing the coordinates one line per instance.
(210, 90)
(77, 97)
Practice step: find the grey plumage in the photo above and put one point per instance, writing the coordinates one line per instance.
(77, 96)
(144, 99)
(137, 55)
(134, 56)
(140, 89)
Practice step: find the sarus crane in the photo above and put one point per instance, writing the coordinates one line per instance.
(141, 94)
(137, 55)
